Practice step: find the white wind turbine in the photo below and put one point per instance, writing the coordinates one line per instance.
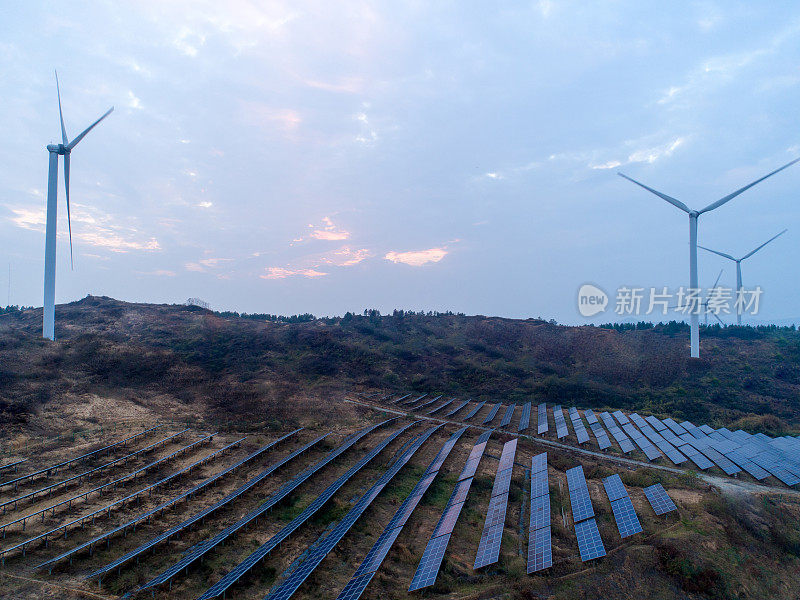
(64, 149)
(738, 262)
(694, 328)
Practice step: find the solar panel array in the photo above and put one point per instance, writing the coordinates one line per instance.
(401, 399)
(199, 550)
(657, 439)
(622, 507)
(110, 484)
(428, 567)
(415, 400)
(650, 451)
(443, 406)
(457, 408)
(361, 578)
(623, 440)
(590, 416)
(578, 426)
(599, 433)
(427, 402)
(561, 424)
(542, 425)
(525, 418)
(292, 583)
(492, 413)
(659, 500)
(474, 411)
(540, 547)
(589, 543)
(161, 507)
(47, 471)
(489, 545)
(507, 417)
(48, 489)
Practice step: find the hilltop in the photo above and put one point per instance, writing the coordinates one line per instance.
(224, 364)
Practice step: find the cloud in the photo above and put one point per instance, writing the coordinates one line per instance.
(647, 154)
(346, 257)
(282, 273)
(205, 204)
(368, 134)
(207, 263)
(90, 226)
(134, 102)
(157, 273)
(268, 117)
(417, 258)
(328, 231)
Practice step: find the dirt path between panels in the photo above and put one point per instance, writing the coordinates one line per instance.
(727, 485)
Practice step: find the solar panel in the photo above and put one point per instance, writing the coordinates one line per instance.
(614, 487)
(540, 511)
(561, 425)
(656, 423)
(539, 462)
(401, 399)
(706, 429)
(590, 416)
(415, 400)
(542, 420)
(507, 417)
(428, 568)
(204, 547)
(457, 408)
(470, 468)
(623, 440)
(659, 500)
(577, 424)
(489, 546)
(443, 406)
(674, 427)
(589, 543)
(492, 413)
(579, 494)
(427, 402)
(627, 521)
(539, 485)
(292, 583)
(620, 417)
(525, 418)
(540, 550)
(380, 549)
(474, 411)
(600, 435)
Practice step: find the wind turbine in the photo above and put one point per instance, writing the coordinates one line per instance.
(705, 302)
(63, 149)
(694, 328)
(738, 262)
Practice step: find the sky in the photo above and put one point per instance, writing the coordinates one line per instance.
(302, 156)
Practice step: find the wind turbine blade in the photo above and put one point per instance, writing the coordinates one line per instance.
(764, 244)
(715, 252)
(670, 199)
(80, 136)
(717, 281)
(718, 319)
(60, 114)
(722, 201)
(69, 220)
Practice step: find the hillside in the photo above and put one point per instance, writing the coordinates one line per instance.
(215, 365)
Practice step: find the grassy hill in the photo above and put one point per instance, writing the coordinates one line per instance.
(224, 364)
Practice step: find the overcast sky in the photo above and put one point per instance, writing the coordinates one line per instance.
(290, 157)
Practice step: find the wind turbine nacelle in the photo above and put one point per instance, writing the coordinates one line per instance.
(57, 148)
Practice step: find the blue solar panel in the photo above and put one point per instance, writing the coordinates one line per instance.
(428, 568)
(291, 584)
(579, 494)
(539, 462)
(525, 418)
(590, 416)
(539, 485)
(627, 521)
(540, 511)
(589, 542)
(457, 408)
(508, 416)
(489, 546)
(561, 425)
(659, 500)
(474, 411)
(542, 425)
(614, 487)
(204, 547)
(492, 413)
(438, 408)
(540, 550)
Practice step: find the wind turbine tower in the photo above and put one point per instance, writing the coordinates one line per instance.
(63, 149)
(738, 262)
(694, 336)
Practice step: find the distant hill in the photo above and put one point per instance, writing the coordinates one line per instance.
(227, 364)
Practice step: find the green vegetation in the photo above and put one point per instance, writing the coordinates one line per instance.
(228, 365)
